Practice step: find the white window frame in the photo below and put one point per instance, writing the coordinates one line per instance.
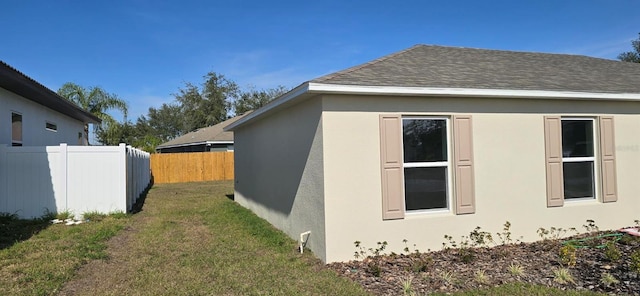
(593, 159)
(446, 164)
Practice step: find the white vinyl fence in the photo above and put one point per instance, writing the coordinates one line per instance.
(78, 179)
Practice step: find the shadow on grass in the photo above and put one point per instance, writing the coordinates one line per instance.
(137, 207)
(14, 230)
(231, 197)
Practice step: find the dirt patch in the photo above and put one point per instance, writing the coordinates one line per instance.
(96, 273)
(538, 263)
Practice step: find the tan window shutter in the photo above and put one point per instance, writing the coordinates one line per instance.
(463, 165)
(608, 159)
(553, 155)
(392, 172)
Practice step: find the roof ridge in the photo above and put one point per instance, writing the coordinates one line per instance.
(373, 62)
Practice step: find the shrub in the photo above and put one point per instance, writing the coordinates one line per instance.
(611, 251)
(567, 255)
(635, 261)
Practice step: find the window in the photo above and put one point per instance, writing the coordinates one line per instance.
(426, 163)
(578, 158)
(16, 129)
(51, 126)
(425, 166)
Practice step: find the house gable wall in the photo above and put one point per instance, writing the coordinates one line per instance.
(278, 171)
(34, 119)
(509, 164)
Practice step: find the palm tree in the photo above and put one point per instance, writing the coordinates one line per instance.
(96, 101)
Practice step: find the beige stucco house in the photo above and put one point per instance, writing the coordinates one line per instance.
(434, 141)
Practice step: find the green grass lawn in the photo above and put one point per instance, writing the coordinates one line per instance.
(189, 239)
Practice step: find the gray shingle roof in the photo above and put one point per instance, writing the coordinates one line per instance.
(457, 67)
(214, 133)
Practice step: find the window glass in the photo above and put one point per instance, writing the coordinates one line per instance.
(51, 126)
(578, 179)
(578, 159)
(577, 138)
(425, 188)
(424, 140)
(16, 128)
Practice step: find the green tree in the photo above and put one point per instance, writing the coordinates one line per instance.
(114, 133)
(208, 104)
(632, 56)
(164, 123)
(96, 101)
(254, 99)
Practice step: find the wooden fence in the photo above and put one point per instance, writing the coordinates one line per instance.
(191, 167)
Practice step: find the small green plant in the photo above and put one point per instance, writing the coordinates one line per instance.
(420, 262)
(467, 255)
(447, 277)
(374, 268)
(554, 233)
(567, 255)
(66, 214)
(378, 250)
(8, 217)
(635, 261)
(360, 252)
(591, 226)
(611, 251)
(562, 276)
(516, 269)
(608, 280)
(407, 289)
(119, 215)
(449, 243)
(406, 247)
(94, 216)
(480, 277)
(480, 238)
(505, 235)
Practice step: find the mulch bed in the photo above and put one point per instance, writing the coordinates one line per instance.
(456, 269)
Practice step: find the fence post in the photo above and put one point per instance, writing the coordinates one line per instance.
(4, 198)
(122, 150)
(62, 179)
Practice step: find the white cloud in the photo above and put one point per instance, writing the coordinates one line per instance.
(608, 49)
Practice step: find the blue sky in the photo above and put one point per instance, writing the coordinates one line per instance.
(143, 51)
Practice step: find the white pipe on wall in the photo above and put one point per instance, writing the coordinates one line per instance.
(303, 242)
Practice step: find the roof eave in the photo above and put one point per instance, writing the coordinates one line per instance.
(281, 101)
(312, 88)
(24, 86)
(193, 144)
(468, 92)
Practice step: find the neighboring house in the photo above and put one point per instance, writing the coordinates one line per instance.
(434, 141)
(212, 138)
(34, 115)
